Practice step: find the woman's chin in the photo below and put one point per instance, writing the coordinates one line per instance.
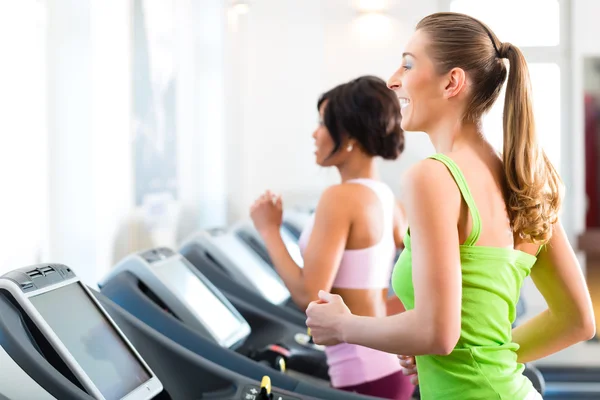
(407, 126)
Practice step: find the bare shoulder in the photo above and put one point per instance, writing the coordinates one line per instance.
(335, 193)
(428, 176)
(335, 198)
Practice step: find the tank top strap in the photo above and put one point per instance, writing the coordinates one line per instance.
(461, 182)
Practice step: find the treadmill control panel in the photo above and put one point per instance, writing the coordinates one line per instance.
(39, 276)
(157, 254)
(252, 392)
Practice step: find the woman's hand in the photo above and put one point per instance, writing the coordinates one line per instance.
(409, 367)
(267, 212)
(326, 318)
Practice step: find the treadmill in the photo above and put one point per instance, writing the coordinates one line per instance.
(168, 294)
(240, 273)
(57, 342)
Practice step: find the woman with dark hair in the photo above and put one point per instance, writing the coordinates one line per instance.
(479, 224)
(349, 245)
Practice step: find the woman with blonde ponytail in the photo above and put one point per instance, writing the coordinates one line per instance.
(479, 224)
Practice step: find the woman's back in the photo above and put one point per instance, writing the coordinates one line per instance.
(363, 274)
(362, 277)
(483, 363)
(484, 175)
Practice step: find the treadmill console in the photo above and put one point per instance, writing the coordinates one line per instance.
(242, 263)
(170, 280)
(93, 349)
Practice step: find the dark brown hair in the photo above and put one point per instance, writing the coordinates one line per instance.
(534, 188)
(366, 110)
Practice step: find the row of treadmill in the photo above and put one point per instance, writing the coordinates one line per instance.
(212, 320)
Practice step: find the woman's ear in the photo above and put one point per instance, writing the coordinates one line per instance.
(456, 81)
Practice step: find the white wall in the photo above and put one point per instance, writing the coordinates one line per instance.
(110, 28)
(23, 162)
(72, 197)
(201, 110)
(89, 131)
(282, 63)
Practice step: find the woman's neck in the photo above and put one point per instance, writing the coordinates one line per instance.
(450, 136)
(358, 168)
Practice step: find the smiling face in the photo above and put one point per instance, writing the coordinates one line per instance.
(418, 86)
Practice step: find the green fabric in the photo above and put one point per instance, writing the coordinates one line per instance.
(483, 364)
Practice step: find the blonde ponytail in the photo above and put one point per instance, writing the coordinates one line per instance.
(534, 188)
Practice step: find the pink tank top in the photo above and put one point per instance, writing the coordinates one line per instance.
(368, 268)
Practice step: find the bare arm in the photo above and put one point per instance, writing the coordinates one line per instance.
(570, 317)
(433, 326)
(323, 253)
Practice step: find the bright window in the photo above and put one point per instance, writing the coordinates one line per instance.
(23, 167)
(545, 82)
(520, 22)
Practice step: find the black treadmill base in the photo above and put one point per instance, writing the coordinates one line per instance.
(570, 374)
(571, 396)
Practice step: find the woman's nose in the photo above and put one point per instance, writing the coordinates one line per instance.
(394, 81)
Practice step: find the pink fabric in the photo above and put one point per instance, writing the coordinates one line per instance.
(368, 268)
(393, 387)
(351, 365)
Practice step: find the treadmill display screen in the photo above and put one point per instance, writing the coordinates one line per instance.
(91, 340)
(200, 299)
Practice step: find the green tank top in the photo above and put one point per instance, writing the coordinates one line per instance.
(483, 365)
